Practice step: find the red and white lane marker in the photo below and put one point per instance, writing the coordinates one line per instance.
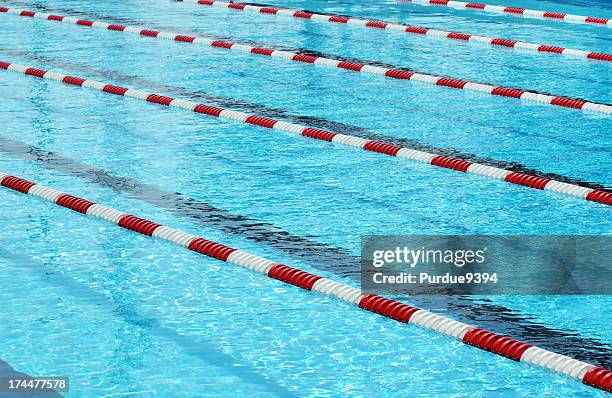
(498, 344)
(551, 15)
(457, 164)
(566, 102)
(419, 30)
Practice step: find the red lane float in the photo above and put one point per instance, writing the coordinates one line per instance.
(418, 30)
(494, 343)
(394, 73)
(386, 307)
(501, 345)
(293, 276)
(74, 203)
(515, 11)
(447, 162)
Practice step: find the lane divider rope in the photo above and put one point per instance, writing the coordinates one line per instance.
(501, 345)
(516, 11)
(523, 179)
(336, 260)
(411, 29)
(395, 73)
(315, 121)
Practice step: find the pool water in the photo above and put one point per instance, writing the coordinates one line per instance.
(126, 315)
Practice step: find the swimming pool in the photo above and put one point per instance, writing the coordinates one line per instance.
(125, 315)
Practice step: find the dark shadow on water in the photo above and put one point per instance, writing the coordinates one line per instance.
(340, 261)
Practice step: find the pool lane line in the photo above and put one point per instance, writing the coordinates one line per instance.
(306, 58)
(119, 308)
(236, 103)
(411, 29)
(318, 255)
(515, 11)
(321, 256)
(313, 121)
(504, 346)
(189, 32)
(319, 122)
(204, 213)
(527, 180)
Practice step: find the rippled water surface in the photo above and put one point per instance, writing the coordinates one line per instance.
(125, 315)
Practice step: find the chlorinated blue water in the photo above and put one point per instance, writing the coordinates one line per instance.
(125, 315)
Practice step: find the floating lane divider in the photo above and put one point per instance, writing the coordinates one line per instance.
(418, 30)
(395, 73)
(527, 180)
(521, 12)
(501, 345)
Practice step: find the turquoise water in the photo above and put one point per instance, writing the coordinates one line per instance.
(127, 315)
